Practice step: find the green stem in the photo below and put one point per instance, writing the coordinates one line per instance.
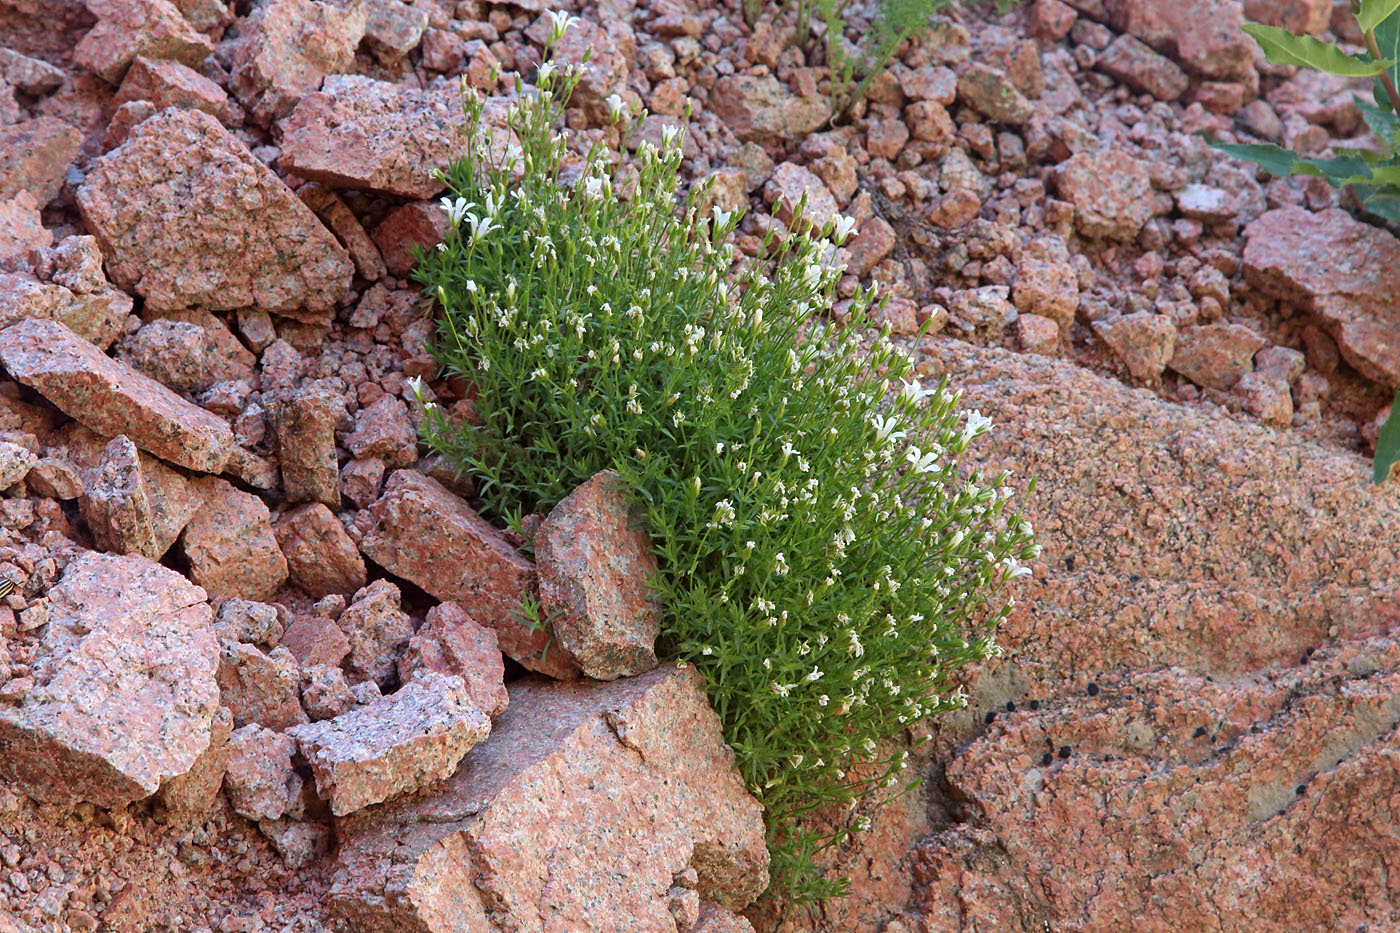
(1386, 79)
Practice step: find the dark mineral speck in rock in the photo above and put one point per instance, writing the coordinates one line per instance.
(1064, 751)
(990, 717)
(1034, 704)
(1299, 789)
(1200, 731)
(1010, 706)
(1093, 690)
(1045, 762)
(1069, 562)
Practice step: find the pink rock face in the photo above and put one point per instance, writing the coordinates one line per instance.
(361, 133)
(111, 398)
(760, 109)
(124, 690)
(421, 532)
(640, 763)
(378, 631)
(171, 84)
(134, 504)
(604, 53)
(1345, 272)
(188, 218)
(321, 558)
(316, 642)
(21, 230)
(34, 155)
(717, 919)
(1143, 340)
(383, 430)
(1111, 193)
(991, 93)
(260, 780)
(1215, 355)
(192, 795)
(421, 224)
(97, 317)
(451, 642)
(393, 746)
(285, 48)
(789, 184)
(1205, 37)
(260, 688)
(128, 28)
(1135, 64)
(340, 220)
(303, 423)
(595, 561)
(230, 546)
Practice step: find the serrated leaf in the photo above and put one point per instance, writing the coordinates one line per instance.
(1374, 11)
(1281, 47)
(1387, 444)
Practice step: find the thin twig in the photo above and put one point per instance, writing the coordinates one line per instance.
(1386, 79)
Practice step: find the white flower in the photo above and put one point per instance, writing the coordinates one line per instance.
(669, 134)
(842, 229)
(977, 424)
(480, 226)
(614, 104)
(928, 461)
(544, 72)
(885, 429)
(781, 690)
(722, 218)
(915, 392)
(455, 210)
(415, 385)
(560, 21)
(592, 188)
(780, 564)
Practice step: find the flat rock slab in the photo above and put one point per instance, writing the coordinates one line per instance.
(421, 532)
(111, 398)
(187, 217)
(124, 693)
(392, 746)
(284, 48)
(576, 814)
(1345, 272)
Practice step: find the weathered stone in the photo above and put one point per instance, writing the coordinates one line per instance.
(394, 746)
(246, 620)
(316, 642)
(1215, 355)
(134, 504)
(33, 76)
(340, 220)
(260, 780)
(97, 318)
(760, 109)
(453, 643)
(1135, 64)
(192, 795)
(285, 48)
(393, 28)
(124, 691)
(21, 230)
(1047, 286)
(604, 54)
(1203, 202)
(1111, 193)
(1205, 37)
(325, 693)
(229, 544)
(128, 28)
(303, 423)
(641, 760)
(260, 688)
(172, 353)
(420, 223)
(595, 563)
(188, 218)
(171, 84)
(421, 532)
(15, 463)
(1143, 340)
(790, 184)
(990, 92)
(383, 431)
(34, 157)
(299, 844)
(378, 631)
(111, 398)
(1346, 273)
(321, 558)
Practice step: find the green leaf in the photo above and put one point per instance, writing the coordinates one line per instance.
(1388, 444)
(1373, 11)
(1281, 47)
(1273, 159)
(1388, 43)
(1383, 123)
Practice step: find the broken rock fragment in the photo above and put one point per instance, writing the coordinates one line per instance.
(124, 692)
(585, 802)
(230, 546)
(260, 688)
(111, 398)
(303, 423)
(393, 746)
(377, 630)
(128, 28)
(595, 564)
(451, 642)
(321, 558)
(260, 779)
(35, 155)
(285, 48)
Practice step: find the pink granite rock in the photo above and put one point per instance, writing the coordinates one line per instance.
(789, 185)
(230, 546)
(420, 223)
(316, 642)
(1133, 63)
(124, 691)
(1143, 340)
(33, 76)
(421, 532)
(171, 84)
(173, 353)
(762, 110)
(135, 504)
(1205, 37)
(1215, 355)
(394, 746)
(193, 795)
(595, 563)
(604, 53)
(188, 218)
(1345, 272)
(393, 28)
(260, 780)
(383, 431)
(340, 220)
(303, 423)
(378, 631)
(1111, 193)
(285, 48)
(321, 557)
(128, 28)
(583, 806)
(262, 688)
(21, 230)
(97, 317)
(325, 693)
(451, 642)
(111, 398)
(991, 93)
(34, 157)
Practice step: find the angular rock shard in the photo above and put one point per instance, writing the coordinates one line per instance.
(451, 642)
(111, 398)
(576, 814)
(284, 48)
(124, 693)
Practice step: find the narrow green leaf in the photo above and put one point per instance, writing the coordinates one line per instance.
(1373, 11)
(1281, 47)
(1273, 159)
(1388, 444)
(1388, 43)
(1383, 123)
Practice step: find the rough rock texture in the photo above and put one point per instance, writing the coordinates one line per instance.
(1143, 340)
(37, 154)
(21, 229)
(230, 546)
(171, 84)
(1215, 355)
(97, 316)
(284, 48)
(1205, 36)
(321, 558)
(188, 218)
(1111, 193)
(394, 746)
(594, 560)
(258, 687)
(421, 532)
(111, 398)
(576, 814)
(360, 133)
(303, 423)
(451, 642)
(128, 28)
(760, 109)
(377, 630)
(123, 693)
(259, 778)
(134, 504)
(1347, 273)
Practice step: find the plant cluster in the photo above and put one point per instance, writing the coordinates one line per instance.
(826, 561)
(1373, 174)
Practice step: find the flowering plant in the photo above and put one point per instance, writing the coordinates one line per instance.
(826, 562)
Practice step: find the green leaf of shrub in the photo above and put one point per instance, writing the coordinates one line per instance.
(1388, 444)
(1273, 159)
(1281, 47)
(1374, 11)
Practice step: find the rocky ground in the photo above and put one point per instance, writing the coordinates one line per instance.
(262, 671)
